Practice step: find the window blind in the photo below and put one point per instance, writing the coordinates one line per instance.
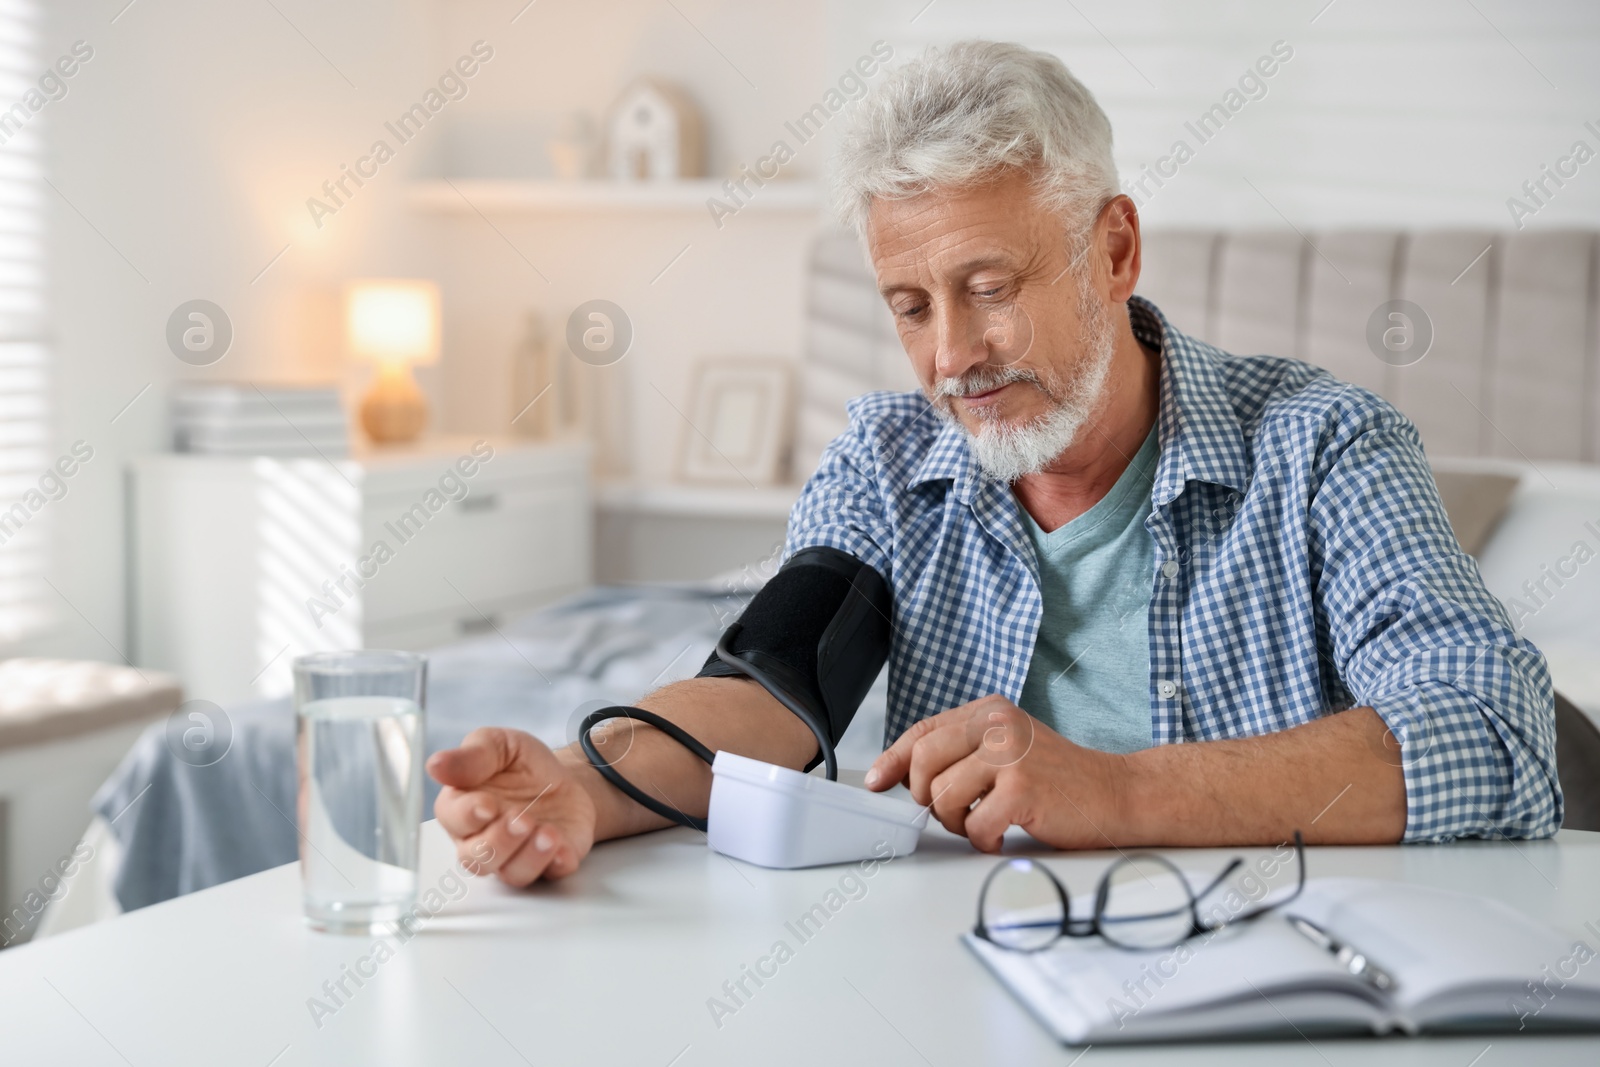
(26, 507)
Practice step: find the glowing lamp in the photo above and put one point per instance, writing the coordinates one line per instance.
(393, 323)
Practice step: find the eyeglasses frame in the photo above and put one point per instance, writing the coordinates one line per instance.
(1095, 925)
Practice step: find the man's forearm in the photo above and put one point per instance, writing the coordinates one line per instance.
(734, 714)
(1337, 779)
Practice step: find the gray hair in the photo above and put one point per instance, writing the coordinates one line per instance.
(956, 116)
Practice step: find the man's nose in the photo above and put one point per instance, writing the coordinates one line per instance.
(961, 342)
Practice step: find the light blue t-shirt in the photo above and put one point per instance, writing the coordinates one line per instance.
(1090, 673)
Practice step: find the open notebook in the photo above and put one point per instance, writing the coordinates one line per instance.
(1457, 962)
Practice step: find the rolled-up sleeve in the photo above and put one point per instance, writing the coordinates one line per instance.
(1418, 637)
(841, 505)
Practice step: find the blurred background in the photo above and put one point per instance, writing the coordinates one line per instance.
(552, 205)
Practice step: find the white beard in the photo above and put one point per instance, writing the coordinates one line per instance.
(1007, 451)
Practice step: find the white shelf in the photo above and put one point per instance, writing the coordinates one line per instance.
(698, 501)
(464, 196)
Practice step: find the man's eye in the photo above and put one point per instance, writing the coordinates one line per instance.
(989, 294)
(910, 311)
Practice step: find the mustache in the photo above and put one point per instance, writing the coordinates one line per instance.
(983, 380)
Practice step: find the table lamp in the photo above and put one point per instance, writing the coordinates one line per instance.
(394, 322)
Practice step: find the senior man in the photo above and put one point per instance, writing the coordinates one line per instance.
(1144, 592)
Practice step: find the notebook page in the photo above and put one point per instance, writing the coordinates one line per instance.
(1434, 941)
(1086, 989)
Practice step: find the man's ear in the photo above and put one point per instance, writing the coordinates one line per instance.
(1117, 233)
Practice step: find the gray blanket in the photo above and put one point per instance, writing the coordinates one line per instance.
(184, 828)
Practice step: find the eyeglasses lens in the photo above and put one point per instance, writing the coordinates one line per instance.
(1021, 908)
(1148, 904)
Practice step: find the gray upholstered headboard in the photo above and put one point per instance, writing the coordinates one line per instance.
(1513, 371)
(850, 345)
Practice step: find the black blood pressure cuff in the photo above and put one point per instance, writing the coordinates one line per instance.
(820, 629)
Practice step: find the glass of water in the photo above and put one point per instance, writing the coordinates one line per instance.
(359, 737)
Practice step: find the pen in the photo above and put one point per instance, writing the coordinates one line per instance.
(1355, 962)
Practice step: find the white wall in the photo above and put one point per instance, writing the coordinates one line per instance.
(735, 291)
(187, 147)
(191, 141)
(1423, 113)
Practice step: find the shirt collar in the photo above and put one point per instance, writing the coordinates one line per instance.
(949, 459)
(1199, 435)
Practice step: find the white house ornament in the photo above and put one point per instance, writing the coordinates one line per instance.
(654, 133)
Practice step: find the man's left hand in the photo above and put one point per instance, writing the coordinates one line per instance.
(988, 765)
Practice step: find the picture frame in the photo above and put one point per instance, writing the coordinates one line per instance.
(740, 422)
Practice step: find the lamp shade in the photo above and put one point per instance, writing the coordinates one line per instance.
(392, 320)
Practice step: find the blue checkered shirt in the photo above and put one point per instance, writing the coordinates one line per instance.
(1315, 571)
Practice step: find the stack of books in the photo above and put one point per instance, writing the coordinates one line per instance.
(240, 419)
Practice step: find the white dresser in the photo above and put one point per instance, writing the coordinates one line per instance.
(238, 565)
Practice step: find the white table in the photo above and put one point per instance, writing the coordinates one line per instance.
(615, 966)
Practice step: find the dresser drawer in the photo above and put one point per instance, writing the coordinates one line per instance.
(505, 542)
(422, 632)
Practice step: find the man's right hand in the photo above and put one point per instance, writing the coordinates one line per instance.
(505, 790)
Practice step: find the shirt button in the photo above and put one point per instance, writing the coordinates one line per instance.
(1168, 690)
(1170, 569)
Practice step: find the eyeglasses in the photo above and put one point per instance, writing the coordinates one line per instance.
(1143, 902)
